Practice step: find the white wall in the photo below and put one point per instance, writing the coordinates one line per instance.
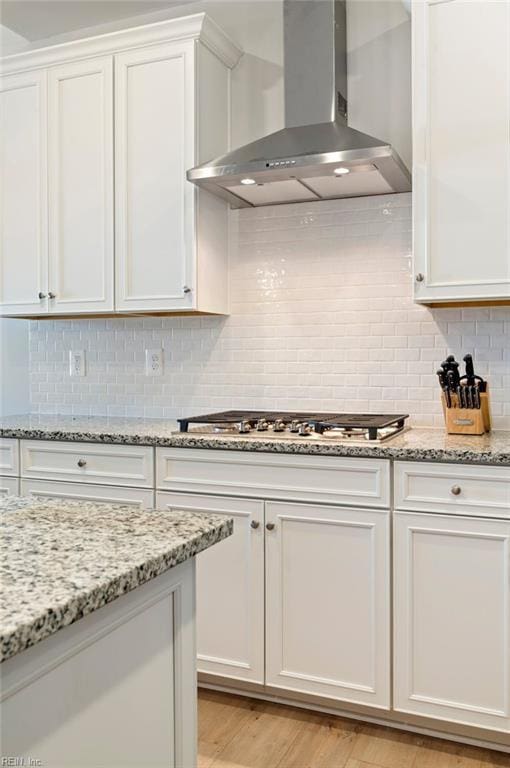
(322, 317)
(14, 367)
(379, 67)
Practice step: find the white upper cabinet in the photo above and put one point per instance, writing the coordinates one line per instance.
(80, 186)
(461, 96)
(159, 94)
(23, 193)
(154, 115)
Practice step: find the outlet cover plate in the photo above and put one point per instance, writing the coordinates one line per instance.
(153, 362)
(77, 362)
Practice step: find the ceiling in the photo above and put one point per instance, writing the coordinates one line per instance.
(39, 19)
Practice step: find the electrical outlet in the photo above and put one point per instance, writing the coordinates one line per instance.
(153, 362)
(77, 362)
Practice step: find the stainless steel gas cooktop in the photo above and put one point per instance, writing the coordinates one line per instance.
(351, 427)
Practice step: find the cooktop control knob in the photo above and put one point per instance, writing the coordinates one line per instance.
(244, 427)
(262, 425)
(279, 425)
(305, 428)
(294, 425)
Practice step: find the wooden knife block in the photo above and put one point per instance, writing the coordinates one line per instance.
(467, 421)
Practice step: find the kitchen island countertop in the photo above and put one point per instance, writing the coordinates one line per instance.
(61, 560)
(416, 444)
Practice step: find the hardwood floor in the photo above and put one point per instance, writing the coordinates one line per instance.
(237, 732)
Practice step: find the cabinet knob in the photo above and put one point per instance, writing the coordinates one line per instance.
(41, 295)
(420, 277)
(270, 526)
(52, 295)
(186, 289)
(456, 489)
(255, 524)
(82, 463)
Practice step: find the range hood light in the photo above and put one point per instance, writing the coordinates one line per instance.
(341, 171)
(248, 181)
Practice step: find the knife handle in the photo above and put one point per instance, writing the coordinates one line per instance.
(470, 371)
(454, 367)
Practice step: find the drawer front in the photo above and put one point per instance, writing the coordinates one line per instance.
(48, 489)
(129, 465)
(9, 456)
(9, 486)
(277, 476)
(452, 488)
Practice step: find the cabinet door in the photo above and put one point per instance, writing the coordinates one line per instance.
(137, 497)
(452, 618)
(23, 216)
(461, 150)
(9, 486)
(327, 602)
(154, 204)
(80, 171)
(230, 588)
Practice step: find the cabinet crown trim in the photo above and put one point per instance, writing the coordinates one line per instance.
(198, 26)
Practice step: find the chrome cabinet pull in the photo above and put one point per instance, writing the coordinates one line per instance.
(270, 526)
(186, 289)
(255, 524)
(420, 277)
(456, 489)
(82, 463)
(52, 295)
(41, 295)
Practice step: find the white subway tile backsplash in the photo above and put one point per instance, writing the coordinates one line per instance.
(321, 317)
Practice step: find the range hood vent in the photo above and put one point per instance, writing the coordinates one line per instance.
(317, 155)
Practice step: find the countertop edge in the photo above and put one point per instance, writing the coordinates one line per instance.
(465, 455)
(68, 612)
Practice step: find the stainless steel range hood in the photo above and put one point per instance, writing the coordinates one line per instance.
(316, 156)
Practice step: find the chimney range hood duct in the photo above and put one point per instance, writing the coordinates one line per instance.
(316, 156)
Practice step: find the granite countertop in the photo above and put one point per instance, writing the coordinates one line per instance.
(415, 444)
(60, 560)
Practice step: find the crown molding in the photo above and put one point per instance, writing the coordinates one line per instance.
(198, 26)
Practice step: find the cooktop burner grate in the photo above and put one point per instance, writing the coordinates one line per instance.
(371, 423)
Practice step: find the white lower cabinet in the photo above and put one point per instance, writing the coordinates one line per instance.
(328, 601)
(9, 486)
(452, 618)
(138, 497)
(230, 588)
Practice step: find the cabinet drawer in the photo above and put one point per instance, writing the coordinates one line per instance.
(277, 476)
(9, 486)
(452, 488)
(138, 497)
(130, 465)
(9, 456)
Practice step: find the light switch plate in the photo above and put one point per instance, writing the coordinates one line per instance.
(77, 362)
(153, 362)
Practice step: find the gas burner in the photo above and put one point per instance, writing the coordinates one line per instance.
(347, 427)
